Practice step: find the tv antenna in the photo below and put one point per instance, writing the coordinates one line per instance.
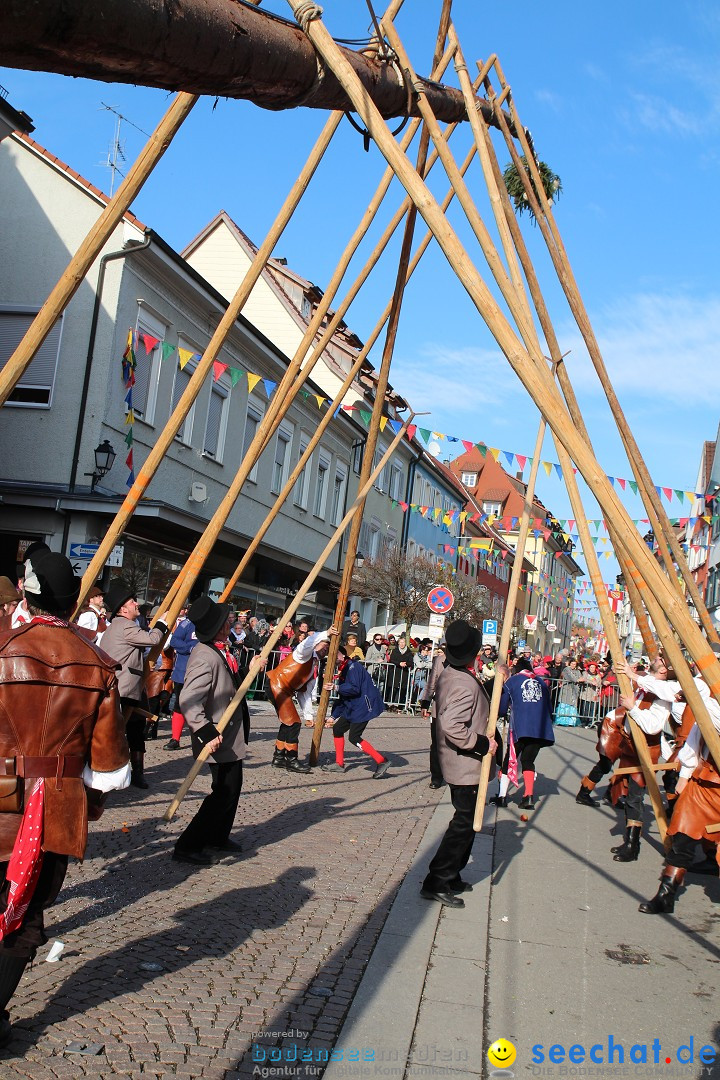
(116, 150)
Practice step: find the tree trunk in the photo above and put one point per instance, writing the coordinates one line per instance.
(218, 47)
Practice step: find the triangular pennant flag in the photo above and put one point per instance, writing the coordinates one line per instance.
(129, 417)
(167, 350)
(253, 380)
(558, 470)
(680, 495)
(129, 460)
(149, 342)
(185, 355)
(633, 485)
(424, 434)
(547, 466)
(611, 479)
(395, 425)
(691, 496)
(508, 455)
(621, 482)
(130, 480)
(219, 369)
(270, 387)
(129, 437)
(411, 429)
(235, 375)
(468, 445)
(383, 422)
(667, 492)
(521, 460)
(366, 417)
(494, 451)
(320, 400)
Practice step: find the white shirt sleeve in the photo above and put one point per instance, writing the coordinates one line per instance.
(661, 688)
(304, 650)
(107, 781)
(88, 620)
(651, 720)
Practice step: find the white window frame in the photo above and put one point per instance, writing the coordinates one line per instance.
(184, 434)
(301, 490)
(469, 479)
(222, 389)
(257, 412)
(337, 508)
(321, 494)
(148, 323)
(374, 534)
(396, 478)
(47, 355)
(492, 503)
(381, 481)
(281, 469)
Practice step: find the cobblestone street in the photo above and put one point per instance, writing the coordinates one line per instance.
(172, 970)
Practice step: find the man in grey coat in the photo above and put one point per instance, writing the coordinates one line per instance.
(125, 642)
(211, 680)
(462, 713)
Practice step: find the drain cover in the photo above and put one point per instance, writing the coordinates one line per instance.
(626, 954)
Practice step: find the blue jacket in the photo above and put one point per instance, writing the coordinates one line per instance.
(359, 698)
(531, 716)
(183, 641)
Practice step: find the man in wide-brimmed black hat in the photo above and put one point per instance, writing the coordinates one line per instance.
(126, 643)
(462, 714)
(211, 680)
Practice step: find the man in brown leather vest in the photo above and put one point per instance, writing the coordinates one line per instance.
(61, 733)
(292, 676)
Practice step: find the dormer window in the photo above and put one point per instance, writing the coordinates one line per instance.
(306, 308)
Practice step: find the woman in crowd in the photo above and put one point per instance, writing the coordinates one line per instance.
(402, 660)
(589, 694)
(566, 713)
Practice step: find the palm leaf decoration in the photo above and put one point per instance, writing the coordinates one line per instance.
(513, 182)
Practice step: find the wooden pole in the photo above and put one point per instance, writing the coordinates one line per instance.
(536, 380)
(667, 541)
(292, 609)
(165, 439)
(378, 405)
(510, 606)
(514, 247)
(72, 278)
(288, 390)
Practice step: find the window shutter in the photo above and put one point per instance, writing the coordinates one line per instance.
(212, 431)
(40, 375)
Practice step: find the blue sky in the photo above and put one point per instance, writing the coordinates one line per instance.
(624, 104)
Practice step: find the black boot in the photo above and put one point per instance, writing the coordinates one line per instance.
(499, 800)
(279, 758)
(294, 764)
(137, 769)
(630, 849)
(584, 798)
(663, 903)
(151, 729)
(11, 969)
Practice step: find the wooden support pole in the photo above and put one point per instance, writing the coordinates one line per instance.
(204, 366)
(378, 406)
(514, 248)
(662, 766)
(289, 388)
(292, 609)
(537, 382)
(72, 278)
(667, 541)
(510, 605)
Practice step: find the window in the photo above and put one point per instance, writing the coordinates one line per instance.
(35, 387)
(469, 479)
(281, 463)
(302, 484)
(374, 538)
(338, 497)
(492, 507)
(358, 450)
(381, 482)
(147, 370)
(252, 421)
(182, 378)
(216, 427)
(321, 486)
(396, 479)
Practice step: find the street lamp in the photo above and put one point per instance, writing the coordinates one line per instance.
(104, 458)
(359, 560)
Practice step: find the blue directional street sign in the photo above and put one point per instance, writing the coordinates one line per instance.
(83, 551)
(490, 627)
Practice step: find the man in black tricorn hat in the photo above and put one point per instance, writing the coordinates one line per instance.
(62, 747)
(462, 714)
(211, 680)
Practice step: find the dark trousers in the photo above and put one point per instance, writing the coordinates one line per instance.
(634, 801)
(289, 733)
(134, 725)
(24, 941)
(456, 845)
(213, 822)
(435, 771)
(682, 852)
(357, 731)
(601, 768)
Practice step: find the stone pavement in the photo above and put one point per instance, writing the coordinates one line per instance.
(171, 969)
(308, 940)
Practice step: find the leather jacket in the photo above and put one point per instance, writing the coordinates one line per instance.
(58, 701)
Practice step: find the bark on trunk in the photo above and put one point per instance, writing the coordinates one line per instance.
(219, 47)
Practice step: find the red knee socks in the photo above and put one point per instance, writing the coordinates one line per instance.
(368, 749)
(529, 781)
(339, 749)
(178, 722)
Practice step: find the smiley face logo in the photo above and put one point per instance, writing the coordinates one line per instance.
(501, 1054)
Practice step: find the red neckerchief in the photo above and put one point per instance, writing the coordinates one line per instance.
(232, 663)
(49, 620)
(341, 667)
(26, 860)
